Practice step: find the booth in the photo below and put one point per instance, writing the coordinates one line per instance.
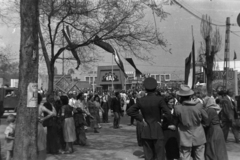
(108, 76)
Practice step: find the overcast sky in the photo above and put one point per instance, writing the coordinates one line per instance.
(176, 28)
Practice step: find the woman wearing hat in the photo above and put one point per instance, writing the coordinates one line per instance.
(190, 115)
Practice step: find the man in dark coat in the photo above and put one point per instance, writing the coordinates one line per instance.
(105, 106)
(151, 107)
(228, 115)
(116, 109)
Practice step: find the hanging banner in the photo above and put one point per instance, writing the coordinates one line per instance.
(32, 95)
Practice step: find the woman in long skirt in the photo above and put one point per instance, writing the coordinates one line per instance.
(68, 124)
(93, 110)
(79, 119)
(41, 141)
(53, 143)
(215, 147)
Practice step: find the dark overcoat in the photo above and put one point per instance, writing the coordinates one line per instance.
(151, 107)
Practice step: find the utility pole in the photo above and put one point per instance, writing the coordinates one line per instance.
(63, 55)
(226, 53)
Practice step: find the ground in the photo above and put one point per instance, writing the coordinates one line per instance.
(115, 144)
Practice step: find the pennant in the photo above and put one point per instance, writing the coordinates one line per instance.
(119, 62)
(235, 55)
(71, 45)
(190, 68)
(68, 32)
(137, 72)
(107, 47)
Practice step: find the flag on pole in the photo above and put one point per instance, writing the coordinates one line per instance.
(130, 60)
(190, 68)
(235, 55)
(107, 47)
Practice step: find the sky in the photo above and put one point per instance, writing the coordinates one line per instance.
(176, 28)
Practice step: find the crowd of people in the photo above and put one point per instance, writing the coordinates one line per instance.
(185, 124)
(169, 124)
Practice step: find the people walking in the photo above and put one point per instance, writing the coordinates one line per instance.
(151, 107)
(190, 116)
(116, 108)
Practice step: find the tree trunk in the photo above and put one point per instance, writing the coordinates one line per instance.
(25, 145)
(50, 78)
(209, 68)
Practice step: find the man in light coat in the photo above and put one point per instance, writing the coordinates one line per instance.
(190, 116)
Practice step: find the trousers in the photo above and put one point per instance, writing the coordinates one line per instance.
(195, 152)
(225, 128)
(153, 149)
(116, 120)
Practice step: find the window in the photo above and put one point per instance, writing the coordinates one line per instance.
(158, 77)
(87, 79)
(162, 77)
(167, 77)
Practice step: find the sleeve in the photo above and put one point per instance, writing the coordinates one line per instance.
(112, 103)
(133, 111)
(175, 116)
(226, 108)
(165, 110)
(8, 130)
(205, 120)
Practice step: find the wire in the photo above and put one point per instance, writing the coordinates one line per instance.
(198, 11)
(196, 16)
(235, 34)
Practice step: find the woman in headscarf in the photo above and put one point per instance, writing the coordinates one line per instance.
(79, 119)
(93, 110)
(215, 147)
(68, 124)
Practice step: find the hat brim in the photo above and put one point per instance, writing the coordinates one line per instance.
(185, 94)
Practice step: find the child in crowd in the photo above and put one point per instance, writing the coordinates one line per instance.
(9, 136)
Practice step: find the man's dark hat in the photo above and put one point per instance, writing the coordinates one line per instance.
(150, 83)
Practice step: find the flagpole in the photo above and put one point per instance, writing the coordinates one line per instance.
(234, 63)
(112, 73)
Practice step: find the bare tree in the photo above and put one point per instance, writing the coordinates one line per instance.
(25, 142)
(210, 46)
(119, 23)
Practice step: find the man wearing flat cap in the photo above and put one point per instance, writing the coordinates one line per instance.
(190, 116)
(151, 106)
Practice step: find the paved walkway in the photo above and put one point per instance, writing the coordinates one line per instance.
(109, 144)
(115, 144)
